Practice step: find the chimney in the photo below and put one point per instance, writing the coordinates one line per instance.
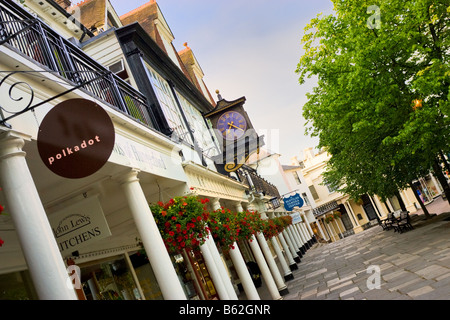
(64, 3)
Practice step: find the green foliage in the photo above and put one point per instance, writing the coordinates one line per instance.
(363, 108)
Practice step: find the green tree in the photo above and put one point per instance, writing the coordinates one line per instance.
(380, 107)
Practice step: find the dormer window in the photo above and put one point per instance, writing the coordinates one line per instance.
(119, 69)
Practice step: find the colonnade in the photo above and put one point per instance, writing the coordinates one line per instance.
(47, 268)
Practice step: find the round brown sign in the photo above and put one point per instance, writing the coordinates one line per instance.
(76, 138)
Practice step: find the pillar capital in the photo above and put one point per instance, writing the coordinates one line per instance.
(130, 175)
(11, 143)
(215, 203)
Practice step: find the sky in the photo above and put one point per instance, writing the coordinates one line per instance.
(249, 48)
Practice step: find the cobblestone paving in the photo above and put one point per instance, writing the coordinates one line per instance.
(411, 265)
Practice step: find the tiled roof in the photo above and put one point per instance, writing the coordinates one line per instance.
(145, 15)
(92, 13)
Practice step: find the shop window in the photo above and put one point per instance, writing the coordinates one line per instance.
(109, 280)
(17, 286)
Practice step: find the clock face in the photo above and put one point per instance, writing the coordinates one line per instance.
(232, 125)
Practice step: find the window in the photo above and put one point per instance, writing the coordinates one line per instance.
(169, 106)
(296, 177)
(313, 191)
(119, 69)
(305, 198)
(330, 188)
(197, 124)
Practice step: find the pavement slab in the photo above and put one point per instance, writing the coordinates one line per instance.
(414, 265)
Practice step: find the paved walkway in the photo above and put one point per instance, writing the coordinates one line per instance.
(411, 265)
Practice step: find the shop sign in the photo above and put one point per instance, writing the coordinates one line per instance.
(76, 138)
(296, 218)
(130, 153)
(79, 224)
(293, 201)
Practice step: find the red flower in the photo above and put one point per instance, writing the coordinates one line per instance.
(160, 204)
(171, 233)
(174, 218)
(1, 242)
(163, 213)
(184, 203)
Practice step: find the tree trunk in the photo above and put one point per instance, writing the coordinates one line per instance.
(400, 201)
(422, 205)
(444, 161)
(437, 169)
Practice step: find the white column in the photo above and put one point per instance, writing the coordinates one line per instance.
(287, 272)
(305, 233)
(308, 226)
(350, 215)
(244, 275)
(289, 257)
(339, 227)
(320, 229)
(330, 231)
(296, 236)
(296, 245)
(297, 227)
(377, 211)
(290, 245)
(221, 268)
(214, 272)
(36, 238)
(267, 276)
(353, 214)
(151, 238)
(226, 281)
(282, 288)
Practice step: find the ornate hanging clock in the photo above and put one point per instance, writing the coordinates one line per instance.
(232, 125)
(235, 134)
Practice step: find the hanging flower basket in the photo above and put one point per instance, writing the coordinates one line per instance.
(224, 228)
(249, 223)
(274, 226)
(329, 219)
(337, 215)
(182, 222)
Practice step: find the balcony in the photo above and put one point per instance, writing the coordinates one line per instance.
(32, 38)
(256, 183)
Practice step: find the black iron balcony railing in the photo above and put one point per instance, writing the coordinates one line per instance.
(34, 39)
(256, 183)
(327, 207)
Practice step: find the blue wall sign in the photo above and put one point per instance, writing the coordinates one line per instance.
(293, 201)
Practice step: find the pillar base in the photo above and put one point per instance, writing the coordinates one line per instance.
(289, 277)
(283, 292)
(303, 249)
(293, 267)
(297, 259)
(299, 253)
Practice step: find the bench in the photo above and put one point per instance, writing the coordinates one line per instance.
(387, 223)
(403, 222)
